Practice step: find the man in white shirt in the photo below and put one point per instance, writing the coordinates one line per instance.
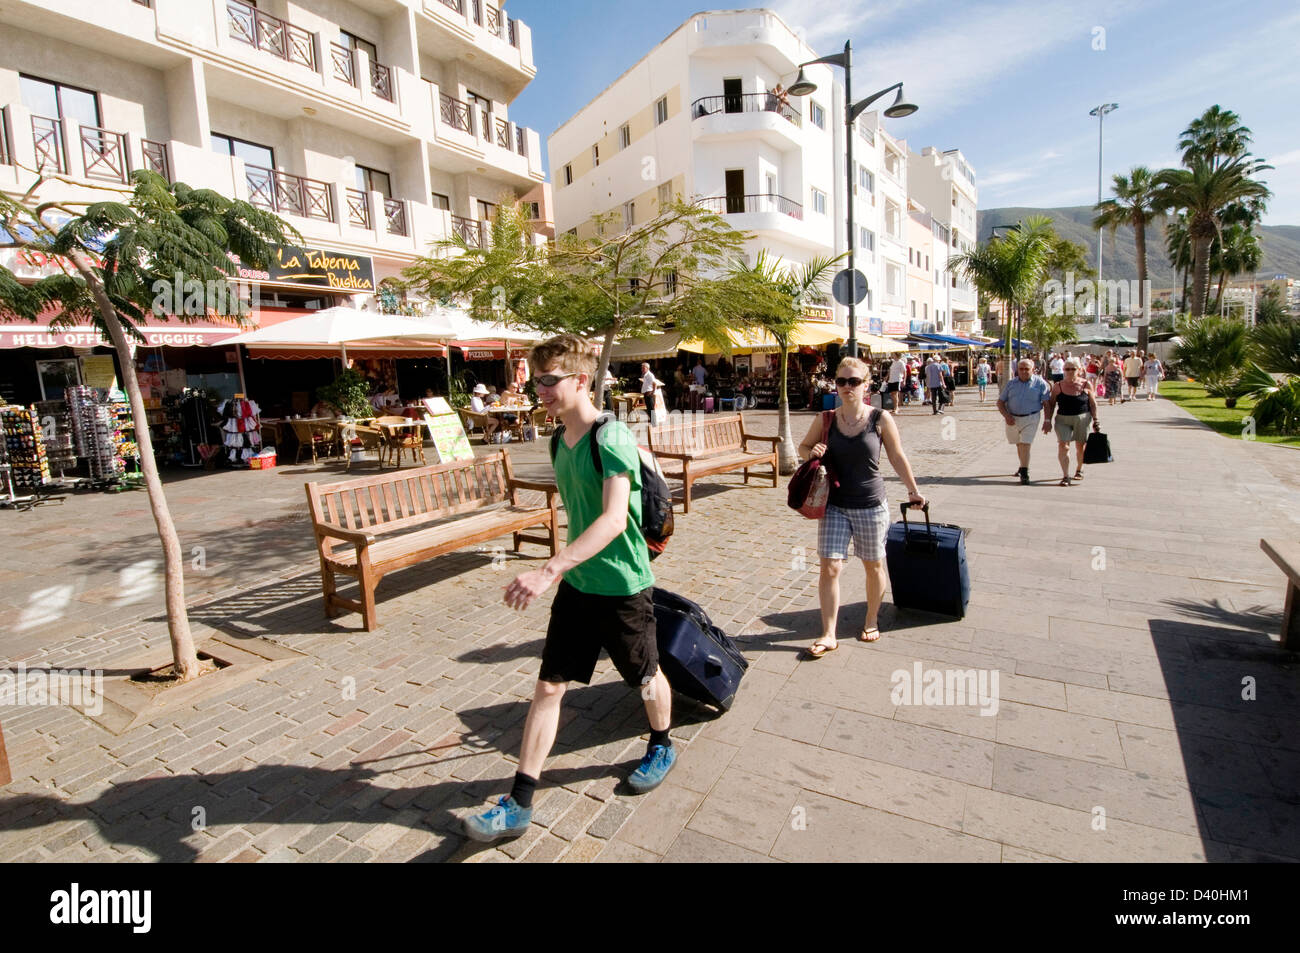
(649, 391)
(1057, 368)
(894, 382)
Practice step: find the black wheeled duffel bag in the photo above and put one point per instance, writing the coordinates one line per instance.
(698, 659)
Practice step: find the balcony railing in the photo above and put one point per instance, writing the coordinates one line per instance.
(5, 157)
(47, 137)
(521, 141)
(358, 203)
(395, 213)
(270, 34)
(103, 154)
(468, 229)
(456, 113)
(503, 134)
(512, 33)
(344, 65)
(457, 5)
(155, 158)
(744, 103)
(381, 81)
(741, 204)
(493, 22)
(291, 194)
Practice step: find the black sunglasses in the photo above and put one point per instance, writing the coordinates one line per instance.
(550, 380)
(848, 381)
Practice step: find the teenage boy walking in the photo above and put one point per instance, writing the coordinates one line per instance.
(603, 600)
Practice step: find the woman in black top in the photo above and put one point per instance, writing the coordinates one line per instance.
(1075, 408)
(858, 508)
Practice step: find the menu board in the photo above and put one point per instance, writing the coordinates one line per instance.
(446, 431)
(97, 371)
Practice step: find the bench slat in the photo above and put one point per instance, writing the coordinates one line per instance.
(359, 501)
(445, 537)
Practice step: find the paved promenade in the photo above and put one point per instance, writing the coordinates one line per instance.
(1144, 710)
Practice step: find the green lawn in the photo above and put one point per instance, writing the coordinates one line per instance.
(1210, 410)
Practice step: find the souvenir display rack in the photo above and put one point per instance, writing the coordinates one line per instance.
(104, 435)
(56, 428)
(24, 448)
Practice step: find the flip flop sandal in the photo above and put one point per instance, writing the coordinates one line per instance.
(819, 649)
(862, 637)
(1064, 482)
(1077, 476)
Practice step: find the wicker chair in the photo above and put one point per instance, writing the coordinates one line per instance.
(472, 420)
(318, 439)
(371, 439)
(403, 440)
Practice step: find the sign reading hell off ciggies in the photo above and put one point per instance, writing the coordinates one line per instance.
(321, 268)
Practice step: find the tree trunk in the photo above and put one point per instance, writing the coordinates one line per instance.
(184, 659)
(787, 456)
(1200, 275)
(1182, 305)
(602, 366)
(1140, 242)
(1218, 298)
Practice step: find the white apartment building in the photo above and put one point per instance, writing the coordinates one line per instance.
(375, 127)
(944, 183)
(693, 118)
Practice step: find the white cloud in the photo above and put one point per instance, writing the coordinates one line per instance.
(996, 180)
(1286, 158)
(1051, 154)
(825, 24)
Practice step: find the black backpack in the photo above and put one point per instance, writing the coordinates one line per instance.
(656, 500)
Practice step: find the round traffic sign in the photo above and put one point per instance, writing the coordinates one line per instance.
(849, 287)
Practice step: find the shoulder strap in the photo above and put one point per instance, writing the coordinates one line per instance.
(594, 433)
(828, 417)
(875, 416)
(555, 440)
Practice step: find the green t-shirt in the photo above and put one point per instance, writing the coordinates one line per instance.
(623, 567)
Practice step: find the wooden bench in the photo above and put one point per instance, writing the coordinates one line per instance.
(695, 446)
(1287, 556)
(367, 528)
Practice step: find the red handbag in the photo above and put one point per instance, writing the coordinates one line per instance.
(810, 487)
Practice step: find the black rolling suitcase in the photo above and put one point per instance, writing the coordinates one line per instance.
(927, 567)
(697, 658)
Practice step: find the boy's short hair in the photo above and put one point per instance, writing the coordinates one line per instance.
(567, 352)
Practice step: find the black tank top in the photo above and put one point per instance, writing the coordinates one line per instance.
(855, 461)
(1071, 405)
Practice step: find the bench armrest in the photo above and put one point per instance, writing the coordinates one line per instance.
(550, 489)
(360, 537)
(774, 441)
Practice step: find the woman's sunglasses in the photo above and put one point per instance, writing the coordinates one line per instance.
(550, 380)
(848, 381)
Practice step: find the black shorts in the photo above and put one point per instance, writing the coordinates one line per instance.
(1132, 381)
(891, 387)
(582, 624)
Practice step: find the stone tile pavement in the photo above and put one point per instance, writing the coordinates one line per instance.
(1121, 616)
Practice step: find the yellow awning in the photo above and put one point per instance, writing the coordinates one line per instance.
(880, 345)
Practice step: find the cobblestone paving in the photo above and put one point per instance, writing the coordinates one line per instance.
(1120, 688)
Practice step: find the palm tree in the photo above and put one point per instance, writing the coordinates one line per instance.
(1136, 203)
(1009, 269)
(1178, 249)
(779, 314)
(163, 233)
(1204, 192)
(1216, 136)
(1235, 252)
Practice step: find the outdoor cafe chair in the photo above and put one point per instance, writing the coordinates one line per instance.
(403, 435)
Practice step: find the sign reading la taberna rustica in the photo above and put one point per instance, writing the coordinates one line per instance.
(342, 271)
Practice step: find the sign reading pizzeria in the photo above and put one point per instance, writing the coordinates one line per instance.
(341, 271)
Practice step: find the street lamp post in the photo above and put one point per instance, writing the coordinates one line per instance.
(1100, 113)
(1011, 337)
(802, 86)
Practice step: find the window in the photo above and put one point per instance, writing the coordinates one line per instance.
(372, 180)
(572, 233)
(441, 201)
(634, 285)
(818, 115)
(665, 193)
(954, 200)
(925, 311)
(670, 283)
(701, 25)
(568, 175)
(909, 256)
(49, 100)
(624, 136)
(250, 152)
(629, 214)
(866, 239)
(819, 201)
(661, 111)
(534, 210)
(927, 262)
(595, 156)
(350, 41)
(866, 179)
(914, 308)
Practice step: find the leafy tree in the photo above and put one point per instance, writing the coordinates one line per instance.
(120, 255)
(1137, 203)
(1275, 346)
(777, 296)
(349, 394)
(1270, 306)
(1205, 193)
(1178, 250)
(1234, 252)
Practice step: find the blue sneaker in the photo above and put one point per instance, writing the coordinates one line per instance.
(506, 819)
(654, 767)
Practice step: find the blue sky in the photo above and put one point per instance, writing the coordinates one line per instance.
(1009, 83)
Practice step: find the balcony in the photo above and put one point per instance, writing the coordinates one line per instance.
(469, 229)
(743, 204)
(775, 216)
(66, 147)
(270, 34)
(346, 69)
(288, 194)
(471, 136)
(358, 208)
(468, 29)
(754, 115)
(455, 113)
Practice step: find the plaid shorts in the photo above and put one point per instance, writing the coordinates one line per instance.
(866, 527)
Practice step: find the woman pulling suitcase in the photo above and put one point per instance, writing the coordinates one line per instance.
(858, 508)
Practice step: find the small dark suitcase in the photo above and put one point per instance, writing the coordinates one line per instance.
(927, 567)
(697, 658)
(1097, 449)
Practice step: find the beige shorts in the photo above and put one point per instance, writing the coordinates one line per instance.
(1072, 427)
(1025, 429)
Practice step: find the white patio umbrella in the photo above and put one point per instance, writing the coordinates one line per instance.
(343, 325)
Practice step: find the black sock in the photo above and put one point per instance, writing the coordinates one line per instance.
(660, 738)
(523, 789)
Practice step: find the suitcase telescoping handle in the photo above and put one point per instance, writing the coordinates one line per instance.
(924, 509)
